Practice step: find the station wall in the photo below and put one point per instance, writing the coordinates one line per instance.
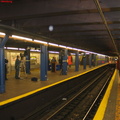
(35, 59)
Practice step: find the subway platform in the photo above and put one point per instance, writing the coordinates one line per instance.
(19, 87)
(16, 87)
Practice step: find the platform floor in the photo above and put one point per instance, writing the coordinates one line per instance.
(112, 111)
(16, 87)
(117, 115)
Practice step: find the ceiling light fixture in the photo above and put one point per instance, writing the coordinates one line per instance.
(39, 41)
(12, 48)
(62, 46)
(1, 33)
(22, 38)
(75, 49)
(53, 44)
(69, 48)
(54, 52)
(21, 49)
(51, 28)
(35, 50)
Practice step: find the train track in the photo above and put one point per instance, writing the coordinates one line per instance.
(79, 103)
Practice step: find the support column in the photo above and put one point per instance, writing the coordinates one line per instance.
(77, 61)
(2, 64)
(28, 61)
(43, 63)
(90, 60)
(2, 71)
(64, 62)
(118, 64)
(94, 57)
(84, 61)
(106, 59)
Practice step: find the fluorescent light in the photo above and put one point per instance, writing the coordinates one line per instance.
(62, 46)
(35, 50)
(20, 37)
(1, 33)
(75, 49)
(101, 55)
(83, 50)
(53, 52)
(69, 48)
(39, 41)
(12, 48)
(53, 44)
(79, 49)
(21, 48)
(72, 53)
(92, 52)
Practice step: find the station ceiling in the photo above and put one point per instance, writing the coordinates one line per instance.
(92, 25)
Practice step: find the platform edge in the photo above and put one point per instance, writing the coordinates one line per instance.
(102, 107)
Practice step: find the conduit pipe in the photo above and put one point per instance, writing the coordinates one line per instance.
(105, 23)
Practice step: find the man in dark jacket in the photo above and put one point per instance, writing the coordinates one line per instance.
(53, 64)
(17, 67)
(6, 61)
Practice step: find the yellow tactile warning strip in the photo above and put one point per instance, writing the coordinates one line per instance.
(117, 115)
(101, 110)
(37, 90)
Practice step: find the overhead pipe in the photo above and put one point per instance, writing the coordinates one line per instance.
(105, 23)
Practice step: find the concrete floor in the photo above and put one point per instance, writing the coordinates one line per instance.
(110, 113)
(16, 87)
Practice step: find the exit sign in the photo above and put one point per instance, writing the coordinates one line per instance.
(6, 1)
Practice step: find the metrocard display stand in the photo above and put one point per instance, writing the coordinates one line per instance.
(57, 67)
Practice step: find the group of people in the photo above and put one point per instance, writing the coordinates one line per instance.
(54, 62)
(18, 62)
(17, 68)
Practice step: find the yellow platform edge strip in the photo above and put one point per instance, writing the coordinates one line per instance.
(37, 90)
(102, 107)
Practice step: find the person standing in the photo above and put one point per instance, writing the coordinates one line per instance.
(17, 67)
(6, 61)
(70, 61)
(53, 64)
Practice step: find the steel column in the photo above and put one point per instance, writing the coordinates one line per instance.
(64, 62)
(90, 60)
(84, 61)
(77, 61)
(2, 64)
(94, 59)
(44, 63)
(28, 61)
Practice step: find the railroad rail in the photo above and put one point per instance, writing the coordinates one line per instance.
(81, 101)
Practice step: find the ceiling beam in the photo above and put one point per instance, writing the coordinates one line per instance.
(75, 31)
(71, 24)
(22, 15)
